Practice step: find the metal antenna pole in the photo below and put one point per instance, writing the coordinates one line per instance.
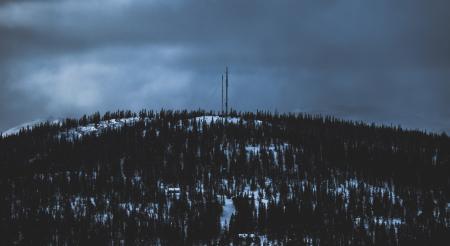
(222, 96)
(226, 93)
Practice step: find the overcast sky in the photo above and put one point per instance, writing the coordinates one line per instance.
(379, 61)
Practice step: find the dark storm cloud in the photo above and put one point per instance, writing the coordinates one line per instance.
(383, 61)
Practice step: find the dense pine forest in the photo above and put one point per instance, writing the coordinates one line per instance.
(195, 178)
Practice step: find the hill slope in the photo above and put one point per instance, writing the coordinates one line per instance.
(178, 177)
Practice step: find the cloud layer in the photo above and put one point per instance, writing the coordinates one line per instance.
(380, 61)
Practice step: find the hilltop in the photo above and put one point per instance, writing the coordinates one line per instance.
(195, 177)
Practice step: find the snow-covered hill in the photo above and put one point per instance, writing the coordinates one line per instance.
(183, 178)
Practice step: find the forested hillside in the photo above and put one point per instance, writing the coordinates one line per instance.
(192, 178)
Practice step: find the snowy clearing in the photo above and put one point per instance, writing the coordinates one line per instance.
(92, 128)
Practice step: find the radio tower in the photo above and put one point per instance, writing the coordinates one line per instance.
(222, 96)
(226, 91)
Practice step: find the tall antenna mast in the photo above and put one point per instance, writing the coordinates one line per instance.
(226, 91)
(222, 96)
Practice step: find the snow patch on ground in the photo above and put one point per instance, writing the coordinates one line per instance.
(344, 190)
(255, 149)
(273, 149)
(209, 119)
(379, 221)
(146, 209)
(227, 210)
(79, 132)
(255, 194)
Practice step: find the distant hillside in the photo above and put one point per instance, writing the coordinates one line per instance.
(195, 178)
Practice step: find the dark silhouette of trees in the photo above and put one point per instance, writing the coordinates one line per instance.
(168, 177)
